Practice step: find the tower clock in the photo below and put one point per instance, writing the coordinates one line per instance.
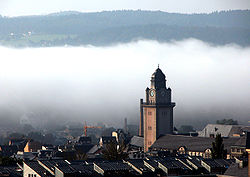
(156, 113)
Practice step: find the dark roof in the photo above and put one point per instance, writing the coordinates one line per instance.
(84, 139)
(13, 171)
(199, 144)
(112, 166)
(108, 138)
(223, 162)
(137, 141)
(66, 168)
(234, 170)
(34, 165)
(83, 148)
(63, 166)
(139, 164)
(84, 169)
(50, 164)
(181, 165)
(194, 162)
(7, 150)
(4, 172)
(169, 164)
(212, 163)
(158, 79)
(241, 142)
(152, 163)
(158, 75)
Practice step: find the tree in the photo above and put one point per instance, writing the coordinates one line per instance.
(81, 156)
(218, 151)
(115, 152)
(227, 122)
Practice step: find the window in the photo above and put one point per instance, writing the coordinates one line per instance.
(149, 143)
(149, 128)
(149, 113)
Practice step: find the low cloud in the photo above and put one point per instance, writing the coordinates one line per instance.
(105, 83)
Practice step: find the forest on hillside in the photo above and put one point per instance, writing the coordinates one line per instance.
(111, 27)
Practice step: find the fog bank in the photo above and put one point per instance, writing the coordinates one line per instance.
(105, 83)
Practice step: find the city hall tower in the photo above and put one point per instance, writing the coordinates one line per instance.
(156, 113)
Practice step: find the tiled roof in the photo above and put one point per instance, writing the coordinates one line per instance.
(67, 169)
(224, 163)
(10, 171)
(84, 169)
(151, 163)
(169, 164)
(241, 142)
(52, 163)
(113, 166)
(139, 164)
(212, 163)
(234, 170)
(198, 144)
(34, 165)
(194, 162)
(7, 150)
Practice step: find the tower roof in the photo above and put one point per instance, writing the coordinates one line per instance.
(158, 74)
(158, 79)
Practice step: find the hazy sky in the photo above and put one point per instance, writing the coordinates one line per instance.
(34, 7)
(106, 83)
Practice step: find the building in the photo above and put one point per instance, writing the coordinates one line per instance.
(32, 146)
(156, 114)
(194, 146)
(211, 130)
(183, 165)
(104, 140)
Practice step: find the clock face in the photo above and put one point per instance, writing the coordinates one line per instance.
(162, 93)
(152, 93)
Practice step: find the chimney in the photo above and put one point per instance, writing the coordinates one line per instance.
(125, 125)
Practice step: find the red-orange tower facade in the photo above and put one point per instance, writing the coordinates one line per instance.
(156, 114)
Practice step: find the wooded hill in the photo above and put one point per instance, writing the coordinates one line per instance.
(111, 27)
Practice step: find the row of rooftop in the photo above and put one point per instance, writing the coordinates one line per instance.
(151, 166)
(166, 151)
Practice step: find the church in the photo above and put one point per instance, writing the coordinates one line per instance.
(156, 113)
